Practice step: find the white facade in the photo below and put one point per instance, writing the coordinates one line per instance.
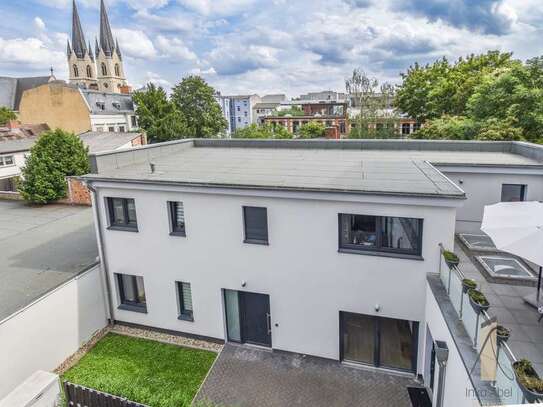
(309, 282)
(10, 168)
(123, 122)
(241, 111)
(224, 103)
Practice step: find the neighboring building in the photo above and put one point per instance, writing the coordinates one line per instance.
(78, 110)
(15, 148)
(326, 248)
(11, 89)
(264, 109)
(278, 98)
(331, 114)
(224, 103)
(102, 70)
(324, 95)
(241, 111)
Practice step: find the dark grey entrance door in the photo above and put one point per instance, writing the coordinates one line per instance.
(255, 318)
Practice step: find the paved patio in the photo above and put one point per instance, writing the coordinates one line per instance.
(508, 306)
(246, 377)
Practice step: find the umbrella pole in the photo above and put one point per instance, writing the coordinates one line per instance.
(538, 286)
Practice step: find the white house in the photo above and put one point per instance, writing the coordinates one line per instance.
(315, 247)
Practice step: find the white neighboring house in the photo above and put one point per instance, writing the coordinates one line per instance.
(241, 111)
(110, 112)
(224, 103)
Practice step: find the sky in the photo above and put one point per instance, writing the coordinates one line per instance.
(272, 46)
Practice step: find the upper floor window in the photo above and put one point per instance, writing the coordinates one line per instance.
(104, 69)
(256, 224)
(513, 193)
(184, 294)
(406, 128)
(177, 218)
(76, 71)
(117, 70)
(133, 121)
(122, 214)
(89, 71)
(131, 293)
(6, 160)
(364, 233)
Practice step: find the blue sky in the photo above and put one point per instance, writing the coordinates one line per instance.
(272, 46)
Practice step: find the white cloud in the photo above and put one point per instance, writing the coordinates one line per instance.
(155, 78)
(39, 24)
(217, 7)
(174, 48)
(135, 43)
(30, 55)
(175, 22)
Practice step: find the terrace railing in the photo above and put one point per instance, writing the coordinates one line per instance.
(506, 385)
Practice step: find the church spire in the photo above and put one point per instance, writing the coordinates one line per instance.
(106, 38)
(78, 38)
(118, 49)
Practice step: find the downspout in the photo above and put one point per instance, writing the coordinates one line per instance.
(101, 250)
(442, 356)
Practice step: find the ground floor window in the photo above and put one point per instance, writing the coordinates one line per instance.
(184, 293)
(378, 341)
(131, 293)
(513, 193)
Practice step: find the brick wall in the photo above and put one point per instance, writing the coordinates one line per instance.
(139, 141)
(78, 193)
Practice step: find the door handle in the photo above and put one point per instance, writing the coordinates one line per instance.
(268, 322)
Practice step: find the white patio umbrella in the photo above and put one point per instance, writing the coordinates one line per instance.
(517, 228)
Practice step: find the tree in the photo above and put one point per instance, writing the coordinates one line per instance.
(312, 130)
(195, 101)
(55, 155)
(263, 132)
(6, 115)
(431, 91)
(448, 128)
(373, 102)
(158, 116)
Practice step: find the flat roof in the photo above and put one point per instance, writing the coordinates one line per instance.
(98, 141)
(41, 247)
(321, 170)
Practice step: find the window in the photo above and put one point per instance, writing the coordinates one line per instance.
(184, 294)
(342, 128)
(111, 128)
(76, 71)
(104, 69)
(117, 70)
(134, 121)
(177, 218)
(6, 160)
(100, 129)
(513, 192)
(89, 71)
(121, 129)
(406, 128)
(122, 214)
(363, 233)
(131, 293)
(256, 225)
(239, 109)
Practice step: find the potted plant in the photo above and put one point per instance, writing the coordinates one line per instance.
(502, 334)
(450, 258)
(468, 284)
(478, 300)
(528, 380)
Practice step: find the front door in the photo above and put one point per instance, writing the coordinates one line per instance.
(248, 317)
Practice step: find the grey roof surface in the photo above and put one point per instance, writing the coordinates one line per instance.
(11, 89)
(94, 98)
(40, 249)
(105, 141)
(292, 169)
(14, 146)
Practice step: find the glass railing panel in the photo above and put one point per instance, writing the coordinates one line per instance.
(455, 291)
(444, 274)
(506, 385)
(469, 320)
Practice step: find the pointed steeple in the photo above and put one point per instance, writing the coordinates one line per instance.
(96, 47)
(78, 38)
(118, 49)
(106, 38)
(68, 49)
(91, 55)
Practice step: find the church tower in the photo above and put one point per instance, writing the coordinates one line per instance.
(80, 58)
(109, 60)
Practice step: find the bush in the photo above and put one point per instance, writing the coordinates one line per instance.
(448, 128)
(55, 155)
(312, 130)
(478, 297)
(527, 376)
(6, 115)
(264, 132)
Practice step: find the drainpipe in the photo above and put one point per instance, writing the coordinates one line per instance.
(442, 355)
(101, 250)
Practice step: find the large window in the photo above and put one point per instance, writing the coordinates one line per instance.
(6, 160)
(513, 193)
(122, 214)
(256, 224)
(177, 218)
(184, 294)
(131, 293)
(363, 233)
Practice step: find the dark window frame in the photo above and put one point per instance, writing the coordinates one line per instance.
(255, 240)
(172, 216)
(523, 191)
(184, 314)
(126, 225)
(125, 304)
(379, 249)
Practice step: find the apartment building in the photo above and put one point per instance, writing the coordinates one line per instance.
(315, 247)
(224, 103)
(241, 111)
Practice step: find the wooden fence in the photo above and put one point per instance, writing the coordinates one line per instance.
(80, 396)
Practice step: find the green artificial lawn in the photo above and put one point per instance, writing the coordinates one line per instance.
(148, 372)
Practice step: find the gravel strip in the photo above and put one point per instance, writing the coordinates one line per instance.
(76, 357)
(166, 338)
